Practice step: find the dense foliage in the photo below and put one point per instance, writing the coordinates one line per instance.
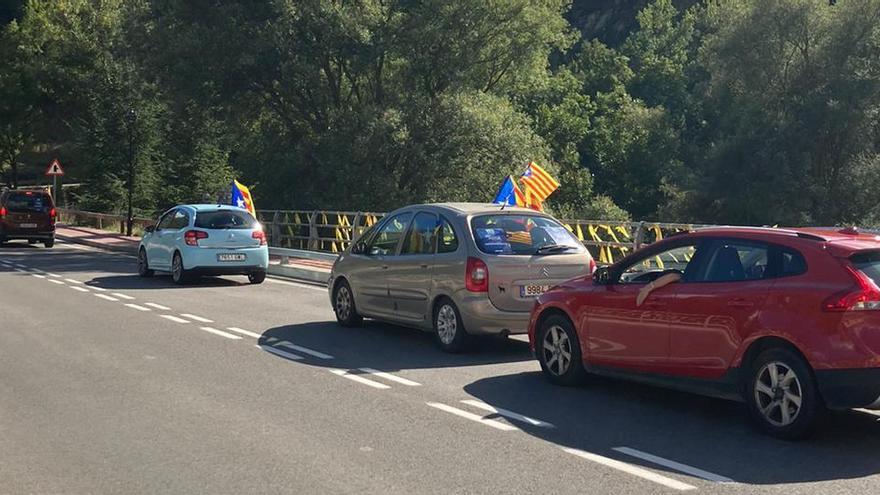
(729, 111)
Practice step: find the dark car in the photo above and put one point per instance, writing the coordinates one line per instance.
(786, 320)
(28, 215)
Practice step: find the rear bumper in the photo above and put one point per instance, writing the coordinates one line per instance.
(204, 260)
(849, 388)
(46, 235)
(481, 317)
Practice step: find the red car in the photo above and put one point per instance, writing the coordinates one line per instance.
(787, 320)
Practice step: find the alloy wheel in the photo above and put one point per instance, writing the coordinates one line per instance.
(447, 324)
(778, 393)
(343, 303)
(177, 268)
(556, 349)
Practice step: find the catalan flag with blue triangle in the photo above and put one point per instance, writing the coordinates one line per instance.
(509, 194)
(241, 197)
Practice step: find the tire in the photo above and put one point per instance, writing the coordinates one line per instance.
(771, 404)
(143, 264)
(49, 243)
(256, 277)
(178, 275)
(344, 306)
(559, 351)
(449, 331)
(32, 241)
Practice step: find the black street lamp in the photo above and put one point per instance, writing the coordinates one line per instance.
(130, 118)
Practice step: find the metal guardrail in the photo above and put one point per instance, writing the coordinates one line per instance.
(285, 255)
(103, 221)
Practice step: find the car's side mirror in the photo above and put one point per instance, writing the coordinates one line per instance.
(602, 276)
(360, 247)
(149, 229)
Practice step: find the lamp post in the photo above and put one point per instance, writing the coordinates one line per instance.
(130, 118)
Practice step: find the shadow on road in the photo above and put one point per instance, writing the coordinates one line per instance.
(161, 281)
(711, 434)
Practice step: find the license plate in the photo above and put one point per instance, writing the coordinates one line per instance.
(28, 225)
(231, 257)
(533, 290)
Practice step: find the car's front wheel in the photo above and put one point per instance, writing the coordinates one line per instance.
(782, 395)
(49, 243)
(449, 330)
(143, 265)
(344, 307)
(559, 351)
(178, 275)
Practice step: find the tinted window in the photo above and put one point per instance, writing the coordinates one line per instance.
(421, 236)
(22, 202)
(522, 234)
(448, 242)
(736, 262)
(180, 220)
(869, 264)
(166, 221)
(225, 219)
(792, 264)
(389, 235)
(677, 259)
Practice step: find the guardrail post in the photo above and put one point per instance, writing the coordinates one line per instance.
(313, 232)
(639, 237)
(276, 229)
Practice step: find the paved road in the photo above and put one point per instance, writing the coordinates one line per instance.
(114, 384)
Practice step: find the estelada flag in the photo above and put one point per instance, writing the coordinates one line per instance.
(241, 197)
(509, 194)
(539, 182)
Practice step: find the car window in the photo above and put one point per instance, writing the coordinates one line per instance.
(28, 202)
(421, 236)
(225, 219)
(677, 259)
(180, 220)
(736, 261)
(522, 235)
(166, 221)
(868, 263)
(448, 242)
(792, 264)
(389, 235)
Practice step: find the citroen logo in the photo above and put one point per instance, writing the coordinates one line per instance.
(545, 271)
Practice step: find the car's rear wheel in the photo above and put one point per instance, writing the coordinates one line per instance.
(449, 330)
(559, 351)
(344, 306)
(49, 243)
(32, 241)
(257, 277)
(781, 394)
(143, 264)
(178, 274)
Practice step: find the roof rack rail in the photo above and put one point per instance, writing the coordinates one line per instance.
(812, 237)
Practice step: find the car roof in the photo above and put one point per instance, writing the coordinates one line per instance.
(210, 207)
(476, 208)
(841, 239)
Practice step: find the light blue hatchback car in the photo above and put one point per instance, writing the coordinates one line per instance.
(193, 240)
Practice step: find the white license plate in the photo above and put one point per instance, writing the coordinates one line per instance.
(231, 257)
(533, 290)
(28, 225)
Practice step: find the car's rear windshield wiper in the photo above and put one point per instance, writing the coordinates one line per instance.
(553, 248)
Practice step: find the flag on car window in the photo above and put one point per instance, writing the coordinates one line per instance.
(540, 184)
(241, 197)
(509, 194)
(519, 237)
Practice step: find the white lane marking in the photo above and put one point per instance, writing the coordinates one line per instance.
(684, 468)
(56, 282)
(630, 469)
(38, 275)
(359, 379)
(508, 414)
(197, 318)
(135, 306)
(471, 416)
(76, 287)
(174, 319)
(278, 352)
(72, 281)
(872, 412)
(221, 333)
(99, 289)
(244, 332)
(301, 286)
(157, 306)
(53, 275)
(19, 270)
(123, 296)
(389, 376)
(102, 296)
(304, 350)
(19, 265)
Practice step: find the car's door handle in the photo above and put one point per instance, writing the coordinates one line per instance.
(740, 303)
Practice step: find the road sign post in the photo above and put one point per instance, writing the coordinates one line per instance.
(54, 169)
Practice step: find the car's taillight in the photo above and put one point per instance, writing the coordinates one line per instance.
(476, 276)
(865, 298)
(592, 266)
(53, 213)
(191, 237)
(2, 212)
(259, 234)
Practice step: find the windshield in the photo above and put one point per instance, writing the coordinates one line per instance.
(523, 235)
(225, 219)
(29, 202)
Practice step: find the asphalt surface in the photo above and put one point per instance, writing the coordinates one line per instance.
(110, 383)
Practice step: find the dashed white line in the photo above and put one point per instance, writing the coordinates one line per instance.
(390, 377)
(123, 296)
(244, 332)
(471, 416)
(630, 469)
(76, 287)
(72, 281)
(19, 270)
(102, 296)
(157, 306)
(196, 318)
(38, 275)
(684, 468)
(508, 414)
(279, 352)
(304, 350)
(56, 282)
(359, 379)
(221, 333)
(135, 306)
(174, 319)
(99, 289)
(53, 275)
(301, 286)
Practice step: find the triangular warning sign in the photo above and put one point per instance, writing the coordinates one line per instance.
(55, 168)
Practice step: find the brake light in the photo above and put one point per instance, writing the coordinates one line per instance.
(53, 213)
(191, 237)
(259, 234)
(2, 212)
(865, 298)
(476, 276)
(592, 266)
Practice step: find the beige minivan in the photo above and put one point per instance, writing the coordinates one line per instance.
(457, 269)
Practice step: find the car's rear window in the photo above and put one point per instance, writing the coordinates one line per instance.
(522, 235)
(34, 202)
(225, 219)
(868, 262)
